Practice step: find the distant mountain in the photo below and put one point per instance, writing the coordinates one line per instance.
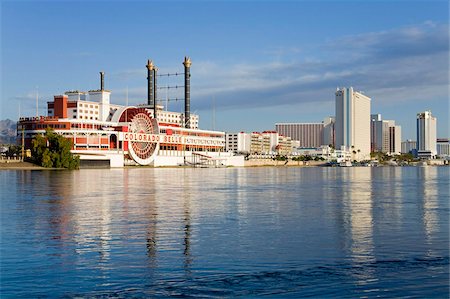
(7, 131)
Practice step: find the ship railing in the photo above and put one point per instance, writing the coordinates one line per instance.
(38, 118)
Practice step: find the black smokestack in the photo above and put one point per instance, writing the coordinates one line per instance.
(102, 81)
(155, 87)
(150, 87)
(187, 92)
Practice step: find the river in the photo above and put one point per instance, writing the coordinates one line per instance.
(270, 231)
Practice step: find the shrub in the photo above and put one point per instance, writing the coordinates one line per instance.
(53, 150)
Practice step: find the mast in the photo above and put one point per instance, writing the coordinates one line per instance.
(37, 101)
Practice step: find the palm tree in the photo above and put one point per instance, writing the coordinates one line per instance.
(353, 152)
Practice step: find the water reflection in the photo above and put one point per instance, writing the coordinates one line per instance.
(187, 225)
(226, 232)
(429, 204)
(152, 224)
(430, 200)
(387, 189)
(358, 215)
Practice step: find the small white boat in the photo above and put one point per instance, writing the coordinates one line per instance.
(345, 164)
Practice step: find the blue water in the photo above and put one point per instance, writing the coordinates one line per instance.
(276, 232)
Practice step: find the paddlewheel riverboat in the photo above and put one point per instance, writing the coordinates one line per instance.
(105, 134)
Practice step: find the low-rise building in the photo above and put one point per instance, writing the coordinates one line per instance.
(263, 143)
(238, 142)
(267, 143)
(409, 146)
(325, 152)
(443, 148)
(284, 147)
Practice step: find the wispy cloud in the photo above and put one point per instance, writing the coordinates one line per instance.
(409, 63)
(26, 97)
(402, 63)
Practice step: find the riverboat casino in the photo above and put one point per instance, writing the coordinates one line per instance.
(109, 135)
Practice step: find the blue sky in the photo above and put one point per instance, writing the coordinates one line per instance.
(254, 63)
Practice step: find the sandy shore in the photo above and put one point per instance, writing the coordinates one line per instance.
(270, 162)
(19, 165)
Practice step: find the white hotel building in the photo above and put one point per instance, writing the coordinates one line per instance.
(426, 135)
(353, 123)
(238, 142)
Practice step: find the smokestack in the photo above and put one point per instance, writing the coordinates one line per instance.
(155, 85)
(150, 88)
(102, 81)
(187, 91)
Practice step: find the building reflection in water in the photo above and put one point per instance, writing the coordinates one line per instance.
(187, 223)
(172, 189)
(92, 216)
(78, 214)
(429, 204)
(387, 191)
(240, 180)
(358, 219)
(152, 226)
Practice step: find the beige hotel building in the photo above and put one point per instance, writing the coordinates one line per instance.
(353, 122)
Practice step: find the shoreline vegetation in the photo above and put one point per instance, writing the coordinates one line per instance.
(53, 151)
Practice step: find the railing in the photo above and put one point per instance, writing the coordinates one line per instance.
(4, 159)
(38, 118)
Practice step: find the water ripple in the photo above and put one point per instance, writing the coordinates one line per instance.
(272, 232)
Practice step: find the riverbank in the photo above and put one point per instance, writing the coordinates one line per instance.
(17, 165)
(8, 165)
(271, 162)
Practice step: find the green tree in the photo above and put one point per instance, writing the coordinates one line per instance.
(53, 150)
(405, 158)
(381, 157)
(14, 151)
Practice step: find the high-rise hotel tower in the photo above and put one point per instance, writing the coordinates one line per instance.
(426, 134)
(353, 122)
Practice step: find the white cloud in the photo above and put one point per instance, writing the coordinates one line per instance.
(405, 62)
(395, 65)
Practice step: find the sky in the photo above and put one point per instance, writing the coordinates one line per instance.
(254, 63)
